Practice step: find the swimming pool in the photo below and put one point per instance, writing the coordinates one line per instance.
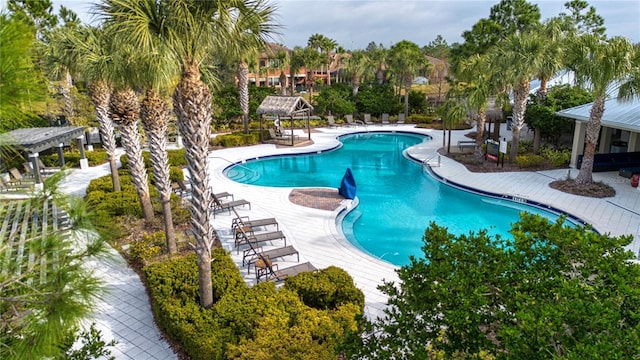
(397, 199)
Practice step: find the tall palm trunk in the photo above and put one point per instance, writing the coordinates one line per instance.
(520, 95)
(482, 119)
(407, 88)
(124, 108)
(328, 70)
(243, 90)
(154, 113)
(192, 104)
(283, 83)
(65, 91)
(585, 175)
(100, 94)
(355, 83)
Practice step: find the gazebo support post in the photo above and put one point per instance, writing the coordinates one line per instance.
(84, 163)
(61, 155)
(261, 132)
(33, 158)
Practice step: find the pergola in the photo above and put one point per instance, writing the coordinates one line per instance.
(285, 107)
(34, 140)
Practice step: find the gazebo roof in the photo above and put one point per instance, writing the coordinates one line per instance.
(624, 115)
(284, 105)
(34, 140)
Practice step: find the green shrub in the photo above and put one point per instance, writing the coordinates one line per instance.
(420, 119)
(237, 139)
(177, 157)
(115, 203)
(557, 157)
(147, 248)
(529, 160)
(174, 292)
(72, 158)
(327, 289)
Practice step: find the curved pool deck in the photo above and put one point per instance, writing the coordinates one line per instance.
(318, 239)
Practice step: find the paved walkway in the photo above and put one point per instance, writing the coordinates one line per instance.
(125, 314)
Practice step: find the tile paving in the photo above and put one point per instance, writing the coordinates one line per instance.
(125, 314)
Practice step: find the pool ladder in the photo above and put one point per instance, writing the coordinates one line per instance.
(431, 162)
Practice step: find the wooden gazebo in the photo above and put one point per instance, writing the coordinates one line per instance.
(282, 108)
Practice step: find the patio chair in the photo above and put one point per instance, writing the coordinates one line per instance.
(367, 119)
(17, 177)
(385, 119)
(218, 205)
(274, 136)
(351, 122)
(400, 119)
(46, 169)
(20, 187)
(331, 122)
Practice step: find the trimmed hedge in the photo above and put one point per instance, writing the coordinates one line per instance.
(257, 322)
(237, 139)
(175, 157)
(72, 158)
(326, 289)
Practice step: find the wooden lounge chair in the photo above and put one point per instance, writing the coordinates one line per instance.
(250, 257)
(17, 178)
(385, 119)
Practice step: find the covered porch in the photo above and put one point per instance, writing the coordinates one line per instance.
(620, 131)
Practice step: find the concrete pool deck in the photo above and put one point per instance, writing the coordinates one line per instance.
(126, 316)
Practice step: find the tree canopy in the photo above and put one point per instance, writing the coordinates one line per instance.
(552, 291)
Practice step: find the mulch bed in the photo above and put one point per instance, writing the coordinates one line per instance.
(317, 198)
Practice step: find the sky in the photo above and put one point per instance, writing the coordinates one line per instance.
(354, 24)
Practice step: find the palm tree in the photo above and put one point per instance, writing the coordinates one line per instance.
(254, 30)
(60, 63)
(324, 45)
(296, 62)
(156, 71)
(476, 73)
(598, 63)
(154, 112)
(516, 61)
(551, 63)
(405, 60)
(94, 51)
(453, 112)
(357, 66)
(193, 31)
(124, 109)
(378, 56)
(282, 59)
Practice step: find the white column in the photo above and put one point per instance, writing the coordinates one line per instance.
(578, 143)
(605, 140)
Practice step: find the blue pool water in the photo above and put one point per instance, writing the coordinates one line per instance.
(397, 198)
